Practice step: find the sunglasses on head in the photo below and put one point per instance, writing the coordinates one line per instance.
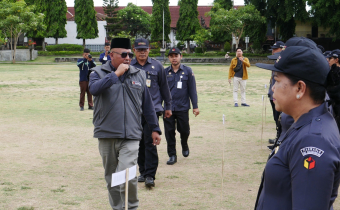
(124, 54)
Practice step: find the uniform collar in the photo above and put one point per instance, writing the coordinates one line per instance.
(180, 68)
(134, 61)
(308, 117)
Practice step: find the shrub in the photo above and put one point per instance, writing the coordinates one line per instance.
(257, 45)
(38, 47)
(65, 47)
(180, 45)
(227, 46)
(22, 47)
(198, 50)
(155, 45)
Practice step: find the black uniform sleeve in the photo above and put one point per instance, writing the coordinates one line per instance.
(313, 164)
(149, 112)
(164, 89)
(97, 85)
(192, 89)
(80, 62)
(92, 64)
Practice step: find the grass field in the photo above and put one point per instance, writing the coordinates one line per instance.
(49, 159)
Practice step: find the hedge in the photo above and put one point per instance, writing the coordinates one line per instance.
(78, 53)
(65, 47)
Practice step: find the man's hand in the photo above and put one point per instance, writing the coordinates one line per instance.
(196, 112)
(122, 68)
(87, 58)
(241, 59)
(156, 138)
(106, 53)
(229, 80)
(167, 114)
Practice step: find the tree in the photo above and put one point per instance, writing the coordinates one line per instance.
(225, 4)
(16, 19)
(202, 35)
(55, 19)
(188, 23)
(234, 21)
(85, 18)
(114, 25)
(218, 34)
(135, 20)
(282, 12)
(326, 13)
(157, 20)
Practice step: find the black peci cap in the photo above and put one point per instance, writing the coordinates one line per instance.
(141, 43)
(124, 43)
(302, 62)
(278, 44)
(174, 50)
(296, 41)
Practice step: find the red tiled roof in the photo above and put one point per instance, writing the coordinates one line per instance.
(174, 12)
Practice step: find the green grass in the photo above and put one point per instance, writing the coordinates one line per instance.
(50, 160)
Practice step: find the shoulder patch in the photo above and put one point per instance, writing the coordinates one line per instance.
(309, 163)
(311, 151)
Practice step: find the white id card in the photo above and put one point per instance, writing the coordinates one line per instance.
(148, 82)
(179, 85)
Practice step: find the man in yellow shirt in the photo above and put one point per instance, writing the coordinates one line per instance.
(238, 70)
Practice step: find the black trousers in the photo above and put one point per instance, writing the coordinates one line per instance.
(147, 153)
(181, 118)
(276, 114)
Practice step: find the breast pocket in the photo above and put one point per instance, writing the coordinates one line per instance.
(170, 80)
(184, 81)
(153, 75)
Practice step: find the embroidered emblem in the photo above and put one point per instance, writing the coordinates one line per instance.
(309, 163)
(136, 83)
(152, 67)
(311, 151)
(141, 43)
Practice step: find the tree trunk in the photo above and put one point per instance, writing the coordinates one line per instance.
(188, 46)
(84, 43)
(56, 40)
(15, 47)
(43, 45)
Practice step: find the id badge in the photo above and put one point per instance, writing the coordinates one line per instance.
(179, 85)
(148, 82)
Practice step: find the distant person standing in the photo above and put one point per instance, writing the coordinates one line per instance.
(238, 70)
(182, 86)
(85, 64)
(105, 56)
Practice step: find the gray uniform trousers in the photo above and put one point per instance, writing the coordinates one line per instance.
(117, 155)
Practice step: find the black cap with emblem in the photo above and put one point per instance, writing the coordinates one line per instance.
(141, 43)
(174, 50)
(124, 43)
(303, 62)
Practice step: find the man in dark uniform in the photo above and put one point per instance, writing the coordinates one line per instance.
(182, 86)
(85, 64)
(276, 48)
(159, 90)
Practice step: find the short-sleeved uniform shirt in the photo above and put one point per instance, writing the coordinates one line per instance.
(181, 95)
(304, 172)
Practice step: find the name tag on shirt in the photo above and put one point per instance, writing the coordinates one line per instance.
(179, 85)
(148, 82)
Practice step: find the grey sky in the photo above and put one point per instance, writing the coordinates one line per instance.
(70, 3)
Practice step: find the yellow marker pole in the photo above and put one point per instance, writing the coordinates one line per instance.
(127, 189)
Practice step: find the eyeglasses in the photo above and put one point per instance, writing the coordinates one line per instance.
(124, 54)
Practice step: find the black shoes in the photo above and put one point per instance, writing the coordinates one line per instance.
(81, 108)
(141, 178)
(244, 104)
(172, 160)
(271, 141)
(185, 153)
(149, 182)
(236, 105)
(91, 107)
